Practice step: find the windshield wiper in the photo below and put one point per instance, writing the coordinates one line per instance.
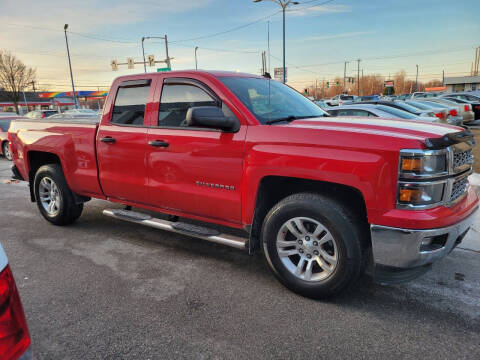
(291, 118)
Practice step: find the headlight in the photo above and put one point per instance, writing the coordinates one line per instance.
(417, 195)
(422, 164)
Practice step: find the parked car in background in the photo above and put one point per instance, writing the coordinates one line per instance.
(369, 98)
(441, 111)
(374, 110)
(468, 95)
(340, 100)
(321, 103)
(81, 112)
(4, 143)
(454, 109)
(71, 116)
(14, 334)
(403, 96)
(474, 105)
(40, 114)
(5, 114)
(402, 106)
(420, 95)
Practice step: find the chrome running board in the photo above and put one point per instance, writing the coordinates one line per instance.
(196, 231)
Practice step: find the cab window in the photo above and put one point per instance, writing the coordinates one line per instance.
(129, 107)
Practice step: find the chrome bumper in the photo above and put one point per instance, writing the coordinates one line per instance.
(408, 248)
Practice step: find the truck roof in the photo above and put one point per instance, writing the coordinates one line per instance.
(214, 73)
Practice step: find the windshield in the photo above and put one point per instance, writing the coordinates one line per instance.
(270, 101)
(435, 105)
(397, 112)
(407, 107)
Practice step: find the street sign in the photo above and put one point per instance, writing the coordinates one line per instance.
(164, 69)
(131, 63)
(151, 60)
(388, 83)
(278, 74)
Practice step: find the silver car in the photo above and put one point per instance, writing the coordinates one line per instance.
(443, 111)
(374, 110)
(467, 116)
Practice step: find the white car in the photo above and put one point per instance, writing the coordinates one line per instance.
(14, 336)
(340, 100)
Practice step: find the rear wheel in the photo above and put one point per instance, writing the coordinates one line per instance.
(313, 245)
(54, 198)
(6, 150)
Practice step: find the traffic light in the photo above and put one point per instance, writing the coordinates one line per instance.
(114, 64)
(131, 63)
(151, 60)
(305, 91)
(336, 83)
(328, 84)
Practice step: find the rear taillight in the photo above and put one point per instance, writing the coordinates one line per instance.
(14, 336)
(467, 107)
(10, 143)
(440, 115)
(453, 112)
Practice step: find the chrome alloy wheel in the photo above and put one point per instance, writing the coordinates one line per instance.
(307, 249)
(49, 196)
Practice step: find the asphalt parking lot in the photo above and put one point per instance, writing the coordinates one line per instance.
(108, 289)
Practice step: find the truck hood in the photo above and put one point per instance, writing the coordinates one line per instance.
(406, 129)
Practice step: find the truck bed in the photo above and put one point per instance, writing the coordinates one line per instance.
(71, 140)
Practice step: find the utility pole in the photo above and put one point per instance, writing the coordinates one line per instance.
(323, 88)
(167, 60)
(143, 52)
(284, 4)
(344, 76)
(316, 85)
(443, 77)
(24, 98)
(70, 65)
(268, 42)
(358, 77)
(196, 63)
(362, 83)
(416, 80)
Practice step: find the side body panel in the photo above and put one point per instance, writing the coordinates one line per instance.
(73, 143)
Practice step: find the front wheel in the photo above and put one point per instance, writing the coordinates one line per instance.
(6, 151)
(54, 198)
(313, 245)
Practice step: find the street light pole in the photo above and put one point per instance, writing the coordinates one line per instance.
(24, 98)
(70, 65)
(284, 4)
(196, 63)
(416, 80)
(143, 52)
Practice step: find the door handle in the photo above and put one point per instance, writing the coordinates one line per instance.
(158, 143)
(108, 140)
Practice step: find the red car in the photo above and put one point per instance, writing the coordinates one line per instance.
(322, 197)
(14, 335)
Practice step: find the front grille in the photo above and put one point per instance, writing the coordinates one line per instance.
(459, 187)
(462, 158)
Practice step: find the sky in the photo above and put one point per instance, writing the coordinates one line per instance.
(387, 36)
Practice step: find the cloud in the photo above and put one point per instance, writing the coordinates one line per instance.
(336, 36)
(318, 10)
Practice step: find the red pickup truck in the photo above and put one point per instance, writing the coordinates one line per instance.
(324, 198)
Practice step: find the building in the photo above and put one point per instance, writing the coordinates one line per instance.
(34, 102)
(462, 83)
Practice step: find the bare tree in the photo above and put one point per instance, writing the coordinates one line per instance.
(14, 75)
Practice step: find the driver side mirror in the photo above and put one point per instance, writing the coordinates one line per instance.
(210, 117)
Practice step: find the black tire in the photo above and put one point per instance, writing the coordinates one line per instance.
(345, 229)
(67, 211)
(6, 151)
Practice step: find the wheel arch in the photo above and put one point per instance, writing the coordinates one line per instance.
(272, 189)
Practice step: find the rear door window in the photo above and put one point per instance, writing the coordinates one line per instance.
(129, 107)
